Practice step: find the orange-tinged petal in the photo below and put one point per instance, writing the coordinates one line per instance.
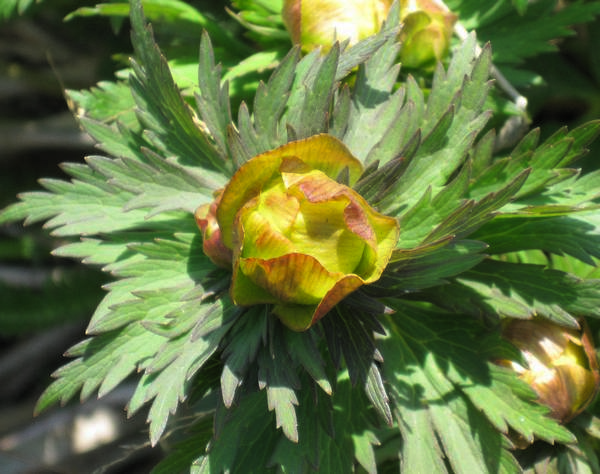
(320, 152)
(292, 278)
(301, 317)
(314, 23)
(300, 240)
(244, 292)
(212, 243)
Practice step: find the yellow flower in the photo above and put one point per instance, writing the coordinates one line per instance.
(563, 369)
(300, 240)
(313, 23)
(426, 33)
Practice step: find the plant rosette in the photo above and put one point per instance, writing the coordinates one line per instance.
(294, 236)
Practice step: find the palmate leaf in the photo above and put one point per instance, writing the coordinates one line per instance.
(517, 38)
(547, 163)
(278, 354)
(123, 342)
(162, 110)
(571, 235)
(520, 291)
(234, 450)
(428, 266)
(167, 377)
(88, 205)
(168, 317)
(157, 184)
(449, 125)
(439, 381)
(374, 107)
(332, 438)
(107, 102)
(296, 101)
(334, 441)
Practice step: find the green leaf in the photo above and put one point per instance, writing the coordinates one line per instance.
(439, 379)
(496, 288)
(158, 185)
(330, 439)
(233, 448)
(213, 100)
(374, 108)
(107, 103)
(151, 286)
(303, 349)
(87, 205)
(517, 38)
(574, 236)
(239, 351)
(162, 109)
(281, 384)
(185, 451)
(10, 8)
(166, 383)
(449, 125)
(429, 265)
(111, 356)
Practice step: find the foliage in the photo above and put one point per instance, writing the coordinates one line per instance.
(399, 374)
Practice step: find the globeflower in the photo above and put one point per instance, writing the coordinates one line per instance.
(562, 366)
(426, 33)
(427, 26)
(314, 23)
(299, 240)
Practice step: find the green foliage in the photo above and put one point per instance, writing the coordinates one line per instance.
(405, 365)
(10, 8)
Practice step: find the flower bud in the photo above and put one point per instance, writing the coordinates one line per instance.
(206, 218)
(563, 369)
(426, 33)
(299, 240)
(313, 23)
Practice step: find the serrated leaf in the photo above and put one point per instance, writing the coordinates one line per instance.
(429, 266)
(450, 122)
(350, 438)
(516, 38)
(162, 109)
(233, 449)
(281, 383)
(77, 208)
(568, 235)
(515, 290)
(118, 352)
(166, 384)
(213, 101)
(239, 351)
(270, 101)
(187, 450)
(430, 370)
(374, 108)
(107, 102)
(303, 350)
(158, 185)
